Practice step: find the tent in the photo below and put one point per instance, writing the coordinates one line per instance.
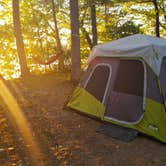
(125, 84)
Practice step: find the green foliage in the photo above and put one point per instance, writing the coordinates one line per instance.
(115, 19)
(126, 29)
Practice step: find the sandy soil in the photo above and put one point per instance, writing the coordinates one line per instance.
(65, 137)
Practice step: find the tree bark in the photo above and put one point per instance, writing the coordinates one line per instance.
(157, 27)
(19, 38)
(75, 41)
(87, 37)
(60, 51)
(94, 25)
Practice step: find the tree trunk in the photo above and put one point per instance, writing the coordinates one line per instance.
(60, 51)
(87, 37)
(94, 25)
(157, 27)
(75, 40)
(106, 13)
(19, 38)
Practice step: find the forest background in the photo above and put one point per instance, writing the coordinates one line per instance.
(46, 29)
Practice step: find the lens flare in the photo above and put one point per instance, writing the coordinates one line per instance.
(22, 123)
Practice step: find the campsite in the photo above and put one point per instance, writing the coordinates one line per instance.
(82, 83)
(66, 137)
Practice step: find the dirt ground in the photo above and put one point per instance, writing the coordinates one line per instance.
(65, 137)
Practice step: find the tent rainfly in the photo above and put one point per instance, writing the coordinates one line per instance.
(125, 84)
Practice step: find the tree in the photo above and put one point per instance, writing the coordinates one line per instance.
(85, 33)
(75, 40)
(59, 46)
(115, 19)
(19, 38)
(157, 27)
(94, 26)
(154, 12)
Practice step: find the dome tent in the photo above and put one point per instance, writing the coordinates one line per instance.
(125, 84)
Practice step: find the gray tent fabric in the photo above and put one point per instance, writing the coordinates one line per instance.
(150, 49)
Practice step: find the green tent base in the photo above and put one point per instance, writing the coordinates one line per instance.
(152, 123)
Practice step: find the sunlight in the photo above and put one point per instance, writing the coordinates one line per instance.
(64, 42)
(65, 35)
(2, 22)
(21, 122)
(1, 7)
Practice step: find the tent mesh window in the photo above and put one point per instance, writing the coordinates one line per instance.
(130, 77)
(163, 77)
(126, 97)
(98, 81)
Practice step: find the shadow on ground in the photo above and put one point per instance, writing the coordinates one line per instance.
(65, 137)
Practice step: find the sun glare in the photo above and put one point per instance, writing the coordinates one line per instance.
(65, 35)
(64, 42)
(2, 22)
(22, 124)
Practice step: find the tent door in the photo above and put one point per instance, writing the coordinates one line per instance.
(126, 103)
